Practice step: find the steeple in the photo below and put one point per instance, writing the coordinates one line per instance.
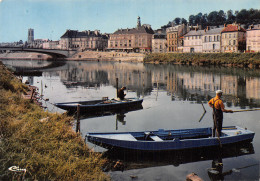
(138, 22)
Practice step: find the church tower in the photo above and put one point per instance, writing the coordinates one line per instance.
(30, 35)
(138, 22)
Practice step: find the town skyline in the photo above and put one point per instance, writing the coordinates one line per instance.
(50, 19)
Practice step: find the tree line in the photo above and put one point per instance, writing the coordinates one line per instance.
(216, 18)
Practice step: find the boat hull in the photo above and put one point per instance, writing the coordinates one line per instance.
(101, 105)
(197, 138)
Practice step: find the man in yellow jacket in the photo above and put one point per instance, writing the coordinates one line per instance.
(218, 108)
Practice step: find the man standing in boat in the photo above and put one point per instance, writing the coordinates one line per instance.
(121, 94)
(218, 108)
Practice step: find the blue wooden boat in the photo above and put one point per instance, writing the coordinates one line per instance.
(163, 140)
(101, 105)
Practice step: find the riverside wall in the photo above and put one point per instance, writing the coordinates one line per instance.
(108, 56)
(79, 56)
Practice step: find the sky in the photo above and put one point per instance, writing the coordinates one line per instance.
(51, 18)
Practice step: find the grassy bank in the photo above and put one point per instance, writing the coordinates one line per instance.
(225, 59)
(47, 148)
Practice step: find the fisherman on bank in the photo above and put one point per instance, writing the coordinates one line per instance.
(121, 94)
(218, 108)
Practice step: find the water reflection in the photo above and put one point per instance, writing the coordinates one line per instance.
(198, 84)
(123, 161)
(120, 117)
(240, 86)
(120, 114)
(32, 67)
(217, 172)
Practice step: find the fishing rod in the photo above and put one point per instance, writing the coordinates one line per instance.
(246, 110)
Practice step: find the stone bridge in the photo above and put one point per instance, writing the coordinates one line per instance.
(55, 53)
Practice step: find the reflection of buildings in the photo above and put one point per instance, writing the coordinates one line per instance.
(133, 76)
(196, 85)
(180, 82)
(252, 88)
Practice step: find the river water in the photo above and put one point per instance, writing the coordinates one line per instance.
(173, 97)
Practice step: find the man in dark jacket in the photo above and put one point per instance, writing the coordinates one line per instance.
(121, 94)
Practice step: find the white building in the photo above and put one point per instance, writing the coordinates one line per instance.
(253, 38)
(159, 43)
(211, 40)
(51, 45)
(193, 41)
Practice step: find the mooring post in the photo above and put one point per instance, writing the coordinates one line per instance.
(78, 119)
(117, 87)
(33, 91)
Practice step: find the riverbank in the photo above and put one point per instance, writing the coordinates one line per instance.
(108, 56)
(43, 143)
(79, 56)
(251, 60)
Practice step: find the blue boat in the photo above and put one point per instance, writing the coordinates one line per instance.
(102, 105)
(163, 140)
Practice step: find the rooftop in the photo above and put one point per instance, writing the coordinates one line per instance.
(78, 34)
(214, 31)
(233, 28)
(195, 33)
(142, 29)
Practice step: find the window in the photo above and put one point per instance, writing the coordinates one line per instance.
(229, 35)
(229, 42)
(205, 39)
(234, 42)
(209, 38)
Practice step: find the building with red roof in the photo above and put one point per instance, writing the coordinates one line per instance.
(233, 38)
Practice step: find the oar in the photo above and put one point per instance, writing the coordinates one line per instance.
(203, 113)
(247, 110)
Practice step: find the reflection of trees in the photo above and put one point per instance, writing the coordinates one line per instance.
(200, 83)
(191, 83)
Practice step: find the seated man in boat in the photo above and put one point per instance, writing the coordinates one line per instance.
(218, 108)
(121, 94)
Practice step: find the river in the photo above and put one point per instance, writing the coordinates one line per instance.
(173, 97)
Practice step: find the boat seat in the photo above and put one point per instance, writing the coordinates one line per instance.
(156, 138)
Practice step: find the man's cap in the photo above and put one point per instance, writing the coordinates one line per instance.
(219, 91)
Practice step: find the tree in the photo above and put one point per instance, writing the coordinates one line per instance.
(204, 21)
(192, 20)
(184, 21)
(177, 20)
(230, 17)
(212, 18)
(221, 17)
